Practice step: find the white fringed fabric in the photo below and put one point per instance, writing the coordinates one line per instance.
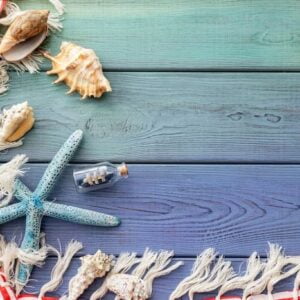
(210, 273)
(138, 284)
(254, 267)
(200, 272)
(60, 267)
(8, 174)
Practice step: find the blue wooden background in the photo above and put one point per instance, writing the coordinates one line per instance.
(205, 108)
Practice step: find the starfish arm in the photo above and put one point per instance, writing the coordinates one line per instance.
(79, 215)
(22, 192)
(31, 241)
(12, 212)
(57, 164)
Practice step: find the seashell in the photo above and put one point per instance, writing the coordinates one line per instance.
(92, 267)
(80, 69)
(24, 35)
(16, 122)
(127, 287)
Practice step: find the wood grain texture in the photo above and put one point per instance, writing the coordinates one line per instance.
(167, 117)
(184, 34)
(235, 208)
(162, 286)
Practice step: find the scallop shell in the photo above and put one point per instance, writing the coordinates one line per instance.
(24, 35)
(80, 69)
(16, 122)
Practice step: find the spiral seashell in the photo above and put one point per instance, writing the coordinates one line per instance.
(127, 287)
(24, 35)
(80, 69)
(16, 122)
(92, 267)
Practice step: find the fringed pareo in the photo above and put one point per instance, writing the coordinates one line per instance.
(8, 174)
(11, 256)
(136, 284)
(210, 273)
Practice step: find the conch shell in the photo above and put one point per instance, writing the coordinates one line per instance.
(24, 35)
(14, 124)
(80, 69)
(92, 267)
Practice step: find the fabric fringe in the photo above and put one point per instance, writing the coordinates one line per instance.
(8, 173)
(272, 268)
(199, 272)
(60, 267)
(4, 78)
(259, 275)
(145, 263)
(59, 6)
(254, 267)
(160, 268)
(219, 274)
(296, 287)
(150, 266)
(295, 261)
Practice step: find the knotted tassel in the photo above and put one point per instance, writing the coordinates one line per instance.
(291, 260)
(199, 273)
(8, 173)
(60, 267)
(254, 267)
(272, 268)
(219, 274)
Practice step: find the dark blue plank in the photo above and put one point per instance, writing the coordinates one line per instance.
(234, 208)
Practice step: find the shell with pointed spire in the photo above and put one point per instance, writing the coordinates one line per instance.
(24, 35)
(80, 69)
(16, 122)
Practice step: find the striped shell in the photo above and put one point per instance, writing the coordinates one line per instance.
(16, 122)
(24, 35)
(80, 69)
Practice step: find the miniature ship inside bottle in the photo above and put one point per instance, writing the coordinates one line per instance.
(99, 176)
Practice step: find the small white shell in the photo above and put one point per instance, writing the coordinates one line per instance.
(80, 69)
(16, 122)
(127, 287)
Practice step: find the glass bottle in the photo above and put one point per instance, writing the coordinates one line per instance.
(99, 176)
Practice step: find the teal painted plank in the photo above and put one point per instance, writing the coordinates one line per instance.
(167, 117)
(184, 34)
(162, 287)
(234, 208)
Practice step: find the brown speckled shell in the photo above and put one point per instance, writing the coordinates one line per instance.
(25, 26)
(80, 69)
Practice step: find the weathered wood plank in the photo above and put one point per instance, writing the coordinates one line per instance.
(162, 286)
(167, 117)
(185, 34)
(235, 208)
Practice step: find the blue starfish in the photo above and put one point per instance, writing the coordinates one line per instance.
(34, 206)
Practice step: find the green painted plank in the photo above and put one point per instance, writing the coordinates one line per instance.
(167, 117)
(184, 34)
